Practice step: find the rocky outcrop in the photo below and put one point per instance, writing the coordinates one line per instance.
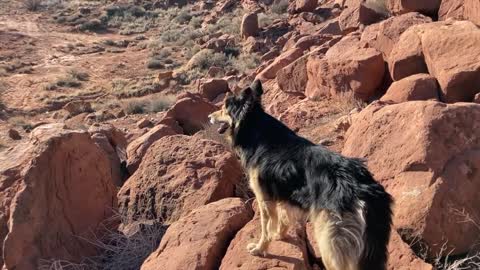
(199, 240)
(178, 174)
(211, 88)
(426, 154)
(447, 50)
(249, 25)
(460, 10)
(57, 191)
(429, 7)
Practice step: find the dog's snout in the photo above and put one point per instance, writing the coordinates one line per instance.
(211, 119)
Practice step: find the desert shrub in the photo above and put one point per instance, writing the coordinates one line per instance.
(265, 20)
(183, 17)
(228, 23)
(32, 5)
(78, 75)
(196, 22)
(155, 63)
(158, 103)
(279, 6)
(204, 59)
(20, 121)
(185, 77)
(345, 102)
(135, 106)
(94, 25)
(162, 103)
(245, 62)
(379, 6)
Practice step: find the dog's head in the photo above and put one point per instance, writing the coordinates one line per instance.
(236, 107)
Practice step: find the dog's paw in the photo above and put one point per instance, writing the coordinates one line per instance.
(256, 250)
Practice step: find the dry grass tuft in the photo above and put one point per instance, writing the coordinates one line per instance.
(32, 5)
(345, 102)
(155, 104)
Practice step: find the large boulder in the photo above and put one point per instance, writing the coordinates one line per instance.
(290, 253)
(57, 191)
(347, 66)
(428, 7)
(449, 51)
(355, 16)
(249, 25)
(178, 174)
(460, 10)
(199, 240)
(211, 88)
(426, 154)
(384, 35)
(137, 148)
(190, 112)
(415, 87)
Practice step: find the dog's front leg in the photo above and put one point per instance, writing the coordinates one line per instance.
(260, 248)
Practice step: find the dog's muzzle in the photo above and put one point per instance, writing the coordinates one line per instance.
(223, 125)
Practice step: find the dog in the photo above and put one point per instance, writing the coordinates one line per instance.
(350, 211)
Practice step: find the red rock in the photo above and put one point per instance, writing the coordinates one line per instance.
(426, 154)
(57, 190)
(253, 45)
(428, 7)
(452, 54)
(191, 112)
(270, 72)
(354, 16)
(406, 57)
(270, 55)
(249, 26)
(401, 256)
(211, 88)
(298, 6)
(143, 123)
(293, 77)
(114, 143)
(331, 27)
(293, 247)
(137, 149)
(215, 71)
(77, 107)
(178, 174)
(415, 87)
(384, 35)
(460, 10)
(346, 67)
(199, 239)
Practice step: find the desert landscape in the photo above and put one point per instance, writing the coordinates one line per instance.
(107, 160)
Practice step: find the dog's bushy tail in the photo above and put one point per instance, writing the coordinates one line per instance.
(378, 217)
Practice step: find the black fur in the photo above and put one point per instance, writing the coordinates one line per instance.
(295, 170)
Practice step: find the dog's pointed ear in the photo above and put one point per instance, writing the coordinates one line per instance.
(257, 88)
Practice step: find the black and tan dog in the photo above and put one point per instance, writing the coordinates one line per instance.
(350, 211)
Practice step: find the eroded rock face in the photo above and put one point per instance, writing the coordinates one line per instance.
(199, 240)
(460, 10)
(178, 174)
(249, 26)
(426, 154)
(415, 87)
(401, 257)
(429, 7)
(58, 189)
(137, 149)
(449, 51)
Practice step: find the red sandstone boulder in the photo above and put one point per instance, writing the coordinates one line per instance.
(190, 112)
(354, 16)
(460, 10)
(401, 256)
(211, 88)
(426, 154)
(57, 189)
(249, 25)
(137, 148)
(299, 6)
(178, 174)
(347, 66)
(290, 254)
(199, 240)
(384, 35)
(415, 87)
(429, 7)
(270, 72)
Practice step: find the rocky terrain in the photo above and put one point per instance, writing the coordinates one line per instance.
(107, 162)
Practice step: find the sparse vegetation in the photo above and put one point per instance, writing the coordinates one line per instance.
(32, 5)
(21, 121)
(154, 63)
(345, 102)
(379, 6)
(279, 6)
(151, 105)
(245, 62)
